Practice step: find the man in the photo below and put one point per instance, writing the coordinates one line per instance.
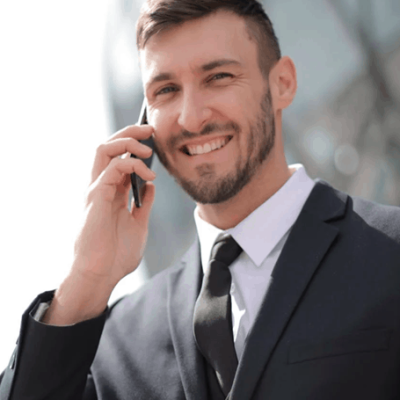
(291, 290)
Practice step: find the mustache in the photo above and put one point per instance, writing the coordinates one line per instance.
(174, 141)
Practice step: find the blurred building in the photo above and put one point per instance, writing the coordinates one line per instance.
(344, 125)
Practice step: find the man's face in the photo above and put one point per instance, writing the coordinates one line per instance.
(209, 105)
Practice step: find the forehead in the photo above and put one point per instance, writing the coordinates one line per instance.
(222, 35)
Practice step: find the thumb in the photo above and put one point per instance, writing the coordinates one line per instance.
(142, 214)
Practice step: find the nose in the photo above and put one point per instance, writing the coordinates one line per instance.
(194, 112)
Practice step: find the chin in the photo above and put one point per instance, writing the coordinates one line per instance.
(207, 190)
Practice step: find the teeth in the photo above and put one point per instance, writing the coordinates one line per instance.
(208, 147)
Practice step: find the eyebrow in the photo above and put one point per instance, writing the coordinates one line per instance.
(164, 76)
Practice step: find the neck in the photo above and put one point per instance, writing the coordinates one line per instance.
(272, 175)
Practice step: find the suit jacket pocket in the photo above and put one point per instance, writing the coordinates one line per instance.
(363, 341)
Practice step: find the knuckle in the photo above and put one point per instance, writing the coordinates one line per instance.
(127, 163)
(137, 164)
(100, 148)
(118, 164)
(133, 164)
(115, 162)
(132, 143)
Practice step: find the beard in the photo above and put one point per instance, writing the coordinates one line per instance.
(211, 189)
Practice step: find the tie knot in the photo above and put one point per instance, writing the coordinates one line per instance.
(225, 250)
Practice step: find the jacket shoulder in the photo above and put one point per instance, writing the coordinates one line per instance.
(383, 218)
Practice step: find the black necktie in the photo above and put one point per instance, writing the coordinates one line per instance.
(212, 314)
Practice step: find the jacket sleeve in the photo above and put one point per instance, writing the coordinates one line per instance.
(52, 362)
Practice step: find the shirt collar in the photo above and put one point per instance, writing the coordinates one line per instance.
(260, 231)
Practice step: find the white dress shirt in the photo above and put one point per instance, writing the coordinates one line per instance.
(262, 236)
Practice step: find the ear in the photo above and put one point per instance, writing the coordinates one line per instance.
(283, 83)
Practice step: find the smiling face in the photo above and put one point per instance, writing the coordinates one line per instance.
(209, 104)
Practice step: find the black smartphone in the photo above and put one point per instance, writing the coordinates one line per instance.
(137, 181)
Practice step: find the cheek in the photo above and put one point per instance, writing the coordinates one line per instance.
(237, 106)
(232, 100)
(161, 127)
(156, 120)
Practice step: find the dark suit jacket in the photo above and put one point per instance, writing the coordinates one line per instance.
(328, 329)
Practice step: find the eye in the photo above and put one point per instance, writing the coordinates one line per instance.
(166, 90)
(170, 89)
(222, 74)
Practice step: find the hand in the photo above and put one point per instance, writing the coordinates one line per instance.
(112, 239)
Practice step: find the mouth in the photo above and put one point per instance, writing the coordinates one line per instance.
(207, 147)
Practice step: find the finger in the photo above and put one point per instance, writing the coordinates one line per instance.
(115, 174)
(138, 132)
(142, 214)
(121, 196)
(116, 170)
(109, 150)
(127, 181)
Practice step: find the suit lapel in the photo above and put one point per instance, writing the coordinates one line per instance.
(310, 239)
(183, 289)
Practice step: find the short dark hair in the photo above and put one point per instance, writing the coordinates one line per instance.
(157, 16)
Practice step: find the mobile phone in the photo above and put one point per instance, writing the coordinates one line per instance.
(137, 181)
